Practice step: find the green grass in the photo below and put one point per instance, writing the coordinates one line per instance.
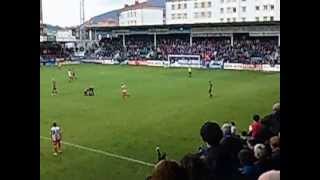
(166, 108)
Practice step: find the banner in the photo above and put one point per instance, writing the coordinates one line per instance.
(185, 63)
(212, 64)
(95, 61)
(271, 68)
(138, 63)
(71, 62)
(155, 63)
(252, 67)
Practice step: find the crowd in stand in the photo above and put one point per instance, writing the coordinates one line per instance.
(248, 50)
(229, 155)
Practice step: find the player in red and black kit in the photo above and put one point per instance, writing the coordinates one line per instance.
(54, 88)
(210, 89)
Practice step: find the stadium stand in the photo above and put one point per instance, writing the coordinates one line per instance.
(247, 50)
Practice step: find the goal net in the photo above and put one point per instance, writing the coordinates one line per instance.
(175, 60)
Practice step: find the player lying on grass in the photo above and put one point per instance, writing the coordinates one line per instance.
(124, 91)
(89, 91)
(54, 88)
(56, 138)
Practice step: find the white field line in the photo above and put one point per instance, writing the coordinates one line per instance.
(103, 152)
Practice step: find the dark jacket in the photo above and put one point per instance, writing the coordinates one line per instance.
(221, 163)
(275, 160)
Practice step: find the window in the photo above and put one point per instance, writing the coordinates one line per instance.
(209, 14)
(135, 14)
(244, 9)
(172, 6)
(185, 6)
(243, 0)
(234, 10)
(257, 8)
(179, 6)
(173, 16)
(243, 19)
(203, 14)
(179, 16)
(228, 1)
(209, 4)
(221, 19)
(234, 0)
(265, 7)
(196, 15)
(221, 10)
(228, 19)
(265, 18)
(234, 19)
(185, 16)
(272, 7)
(271, 18)
(195, 5)
(229, 10)
(202, 4)
(257, 18)
(222, 1)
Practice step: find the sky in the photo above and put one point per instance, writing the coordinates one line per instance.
(67, 12)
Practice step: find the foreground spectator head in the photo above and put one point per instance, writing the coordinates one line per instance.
(246, 157)
(244, 133)
(276, 107)
(211, 133)
(260, 151)
(251, 142)
(226, 129)
(233, 128)
(168, 170)
(194, 167)
(275, 143)
(270, 175)
(256, 117)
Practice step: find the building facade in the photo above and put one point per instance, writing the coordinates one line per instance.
(220, 11)
(141, 14)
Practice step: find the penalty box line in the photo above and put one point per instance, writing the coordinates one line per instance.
(102, 152)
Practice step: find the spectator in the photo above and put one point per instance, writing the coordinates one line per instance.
(270, 175)
(195, 167)
(226, 129)
(244, 137)
(272, 121)
(211, 134)
(263, 162)
(248, 170)
(218, 157)
(251, 142)
(233, 128)
(255, 127)
(168, 170)
(275, 156)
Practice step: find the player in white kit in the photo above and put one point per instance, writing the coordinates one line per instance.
(56, 138)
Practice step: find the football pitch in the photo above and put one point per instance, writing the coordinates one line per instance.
(166, 108)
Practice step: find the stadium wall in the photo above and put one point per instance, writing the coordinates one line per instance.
(212, 65)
